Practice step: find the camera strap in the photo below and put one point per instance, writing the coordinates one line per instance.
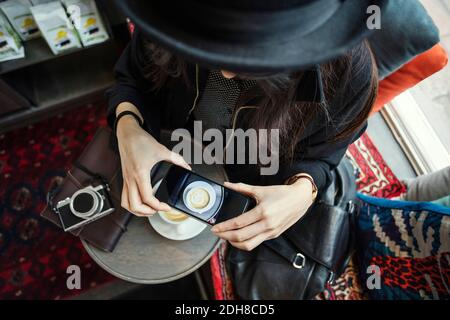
(96, 176)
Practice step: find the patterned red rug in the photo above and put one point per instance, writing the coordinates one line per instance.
(374, 178)
(34, 254)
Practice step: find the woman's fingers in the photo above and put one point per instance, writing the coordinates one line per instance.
(178, 160)
(246, 218)
(146, 193)
(136, 205)
(249, 244)
(243, 188)
(124, 201)
(253, 242)
(244, 234)
(239, 222)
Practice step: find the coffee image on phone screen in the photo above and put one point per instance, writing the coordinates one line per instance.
(200, 197)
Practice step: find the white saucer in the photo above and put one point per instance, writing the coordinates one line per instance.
(189, 229)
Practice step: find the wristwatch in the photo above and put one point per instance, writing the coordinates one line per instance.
(299, 176)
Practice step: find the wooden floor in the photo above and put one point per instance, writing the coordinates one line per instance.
(433, 94)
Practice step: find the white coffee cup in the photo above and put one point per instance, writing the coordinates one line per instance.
(175, 218)
(172, 217)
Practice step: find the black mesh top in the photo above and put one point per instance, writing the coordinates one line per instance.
(218, 101)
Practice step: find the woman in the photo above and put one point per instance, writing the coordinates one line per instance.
(301, 65)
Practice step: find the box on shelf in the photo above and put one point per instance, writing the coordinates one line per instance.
(87, 21)
(19, 14)
(10, 46)
(55, 26)
(38, 2)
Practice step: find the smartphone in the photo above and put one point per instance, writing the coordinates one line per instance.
(200, 197)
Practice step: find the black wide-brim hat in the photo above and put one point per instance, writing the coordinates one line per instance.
(253, 36)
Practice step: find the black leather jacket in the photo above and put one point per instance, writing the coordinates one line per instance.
(171, 107)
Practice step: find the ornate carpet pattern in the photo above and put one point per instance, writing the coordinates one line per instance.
(374, 177)
(34, 254)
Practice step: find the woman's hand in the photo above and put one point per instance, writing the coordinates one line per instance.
(139, 153)
(278, 208)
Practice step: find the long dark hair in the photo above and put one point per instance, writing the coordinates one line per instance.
(278, 106)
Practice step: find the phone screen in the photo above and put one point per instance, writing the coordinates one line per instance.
(200, 197)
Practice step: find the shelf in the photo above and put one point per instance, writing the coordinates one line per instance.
(33, 115)
(58, 85)
(66, 79)
(45, 84)
(38, 51)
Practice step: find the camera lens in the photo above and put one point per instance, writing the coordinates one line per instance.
(86, 203)
(83, 203)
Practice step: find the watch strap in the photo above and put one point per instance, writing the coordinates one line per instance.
(299, 176)
(127, 113)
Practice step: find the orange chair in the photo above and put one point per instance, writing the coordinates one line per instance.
(412, 73)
